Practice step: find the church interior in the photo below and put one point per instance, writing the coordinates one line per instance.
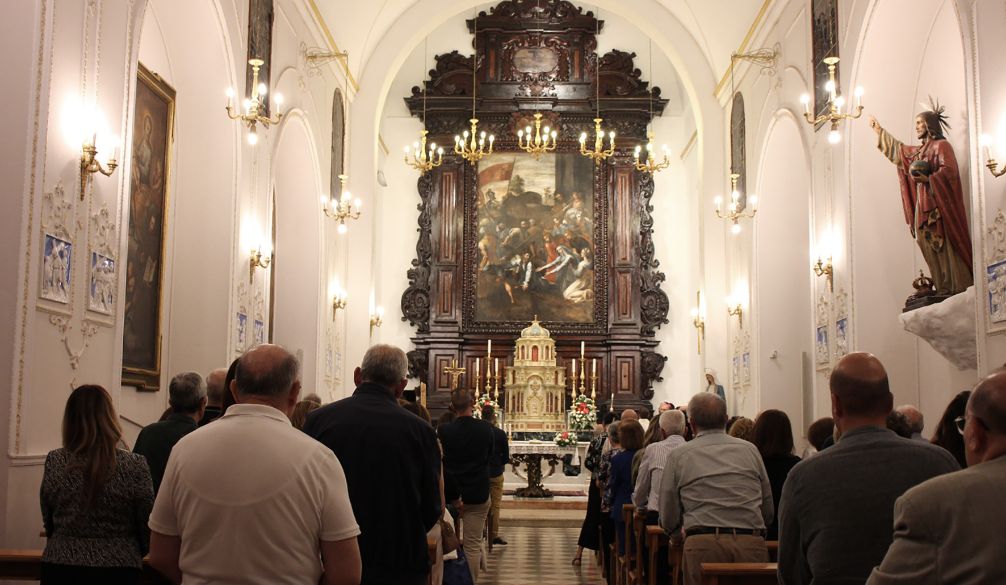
(629, 202)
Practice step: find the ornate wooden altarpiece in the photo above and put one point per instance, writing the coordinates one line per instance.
(538, 56)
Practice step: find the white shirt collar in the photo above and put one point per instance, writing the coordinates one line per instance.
(256, 410)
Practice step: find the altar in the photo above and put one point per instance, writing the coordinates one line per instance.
(531, 454)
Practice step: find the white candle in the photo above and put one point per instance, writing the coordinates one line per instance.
(593, 367)
(574, 372)
(478, 372)
(581, 349)
(497, 374)
(489, 347)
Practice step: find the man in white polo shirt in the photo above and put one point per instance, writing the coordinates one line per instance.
(249, 499)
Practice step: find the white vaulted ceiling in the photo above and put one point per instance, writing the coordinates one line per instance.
(718, 26)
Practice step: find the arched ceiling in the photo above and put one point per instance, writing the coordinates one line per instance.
(718, 26)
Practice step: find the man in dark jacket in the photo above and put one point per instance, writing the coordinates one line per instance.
(187, 398)
(497, 465)
(392, 465)
(468, 448)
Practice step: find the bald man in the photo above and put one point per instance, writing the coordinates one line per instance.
(249, 485)
(837, 508)
(214, 395)
(949, 529)
(915, 420)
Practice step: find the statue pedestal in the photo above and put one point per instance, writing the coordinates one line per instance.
(949, 327)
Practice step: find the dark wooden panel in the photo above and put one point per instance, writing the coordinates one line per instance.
(625, 371)
(624, 293)
(447, 250)
(445, 293)
(624, 215)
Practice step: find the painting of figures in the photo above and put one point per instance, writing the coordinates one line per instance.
(56, 269)
(535, 240)
(153, 118)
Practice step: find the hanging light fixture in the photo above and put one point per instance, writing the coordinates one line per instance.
(537, 143)
(417, 156)
(836, 102)
(651, 164)
(734, 213)
(344, 206)
(253, 107)
(598, 153)
(472, 146)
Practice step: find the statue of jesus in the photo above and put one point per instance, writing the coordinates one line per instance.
(933, 199)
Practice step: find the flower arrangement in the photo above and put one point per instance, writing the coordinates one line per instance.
(565, 439)
(483, 401)
(582, 413)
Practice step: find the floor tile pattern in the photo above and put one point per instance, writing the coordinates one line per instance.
(539, 554)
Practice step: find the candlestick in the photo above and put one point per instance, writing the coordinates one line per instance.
(573, 374)
(496, 380)
(583, 376)
(478, 376)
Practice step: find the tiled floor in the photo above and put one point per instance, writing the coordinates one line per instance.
(539, 554)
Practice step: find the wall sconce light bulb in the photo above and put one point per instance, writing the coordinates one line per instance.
(805, 99)
(230, 92)
(278, 99)
(491, 138)
(357, 203)
(830, 85)
(735, 229)
(341, 229)
(718, 201)
(754, 200)
(834, 137)
(252, 137)
(840, 102)
(262, 89)
(694, 312)
(859, 91)
(583, 137)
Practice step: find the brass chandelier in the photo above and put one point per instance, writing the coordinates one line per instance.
(650, 164)
(836, 102)
(417, 157)
(598, 154)
(471, 146)
(537, 143)
(251, 113)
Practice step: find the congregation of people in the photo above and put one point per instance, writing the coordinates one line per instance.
(244, 480)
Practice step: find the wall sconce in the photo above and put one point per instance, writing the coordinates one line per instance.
(738, 311)
(89, 163)
(251, 114)
(698, 313)
(822, 268)
(990, 161)
(338, 302)
(734, 213)
(736, 304)
(342, 208)
(376, 318)
(836, 102)
(257, 260)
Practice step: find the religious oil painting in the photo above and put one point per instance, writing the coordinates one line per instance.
(821, 346)
(241, 332)
(153, 119)
(259, 332)
(536, 238)
(56, 269)
(841, 337)
(101, 292)
(995, 278)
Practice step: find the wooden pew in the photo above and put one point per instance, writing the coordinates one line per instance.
(773, 550)
(739, 574)
(26, 565)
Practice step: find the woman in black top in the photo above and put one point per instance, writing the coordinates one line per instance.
(95, 498)
(589, 535)
(773, 435)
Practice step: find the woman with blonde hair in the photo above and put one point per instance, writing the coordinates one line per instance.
(95, 498)
(300, 411)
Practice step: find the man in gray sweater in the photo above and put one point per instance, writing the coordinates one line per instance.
(837, 508)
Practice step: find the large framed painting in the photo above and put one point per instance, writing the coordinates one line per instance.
(533, 234)
(824, 40)
(150, 163)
